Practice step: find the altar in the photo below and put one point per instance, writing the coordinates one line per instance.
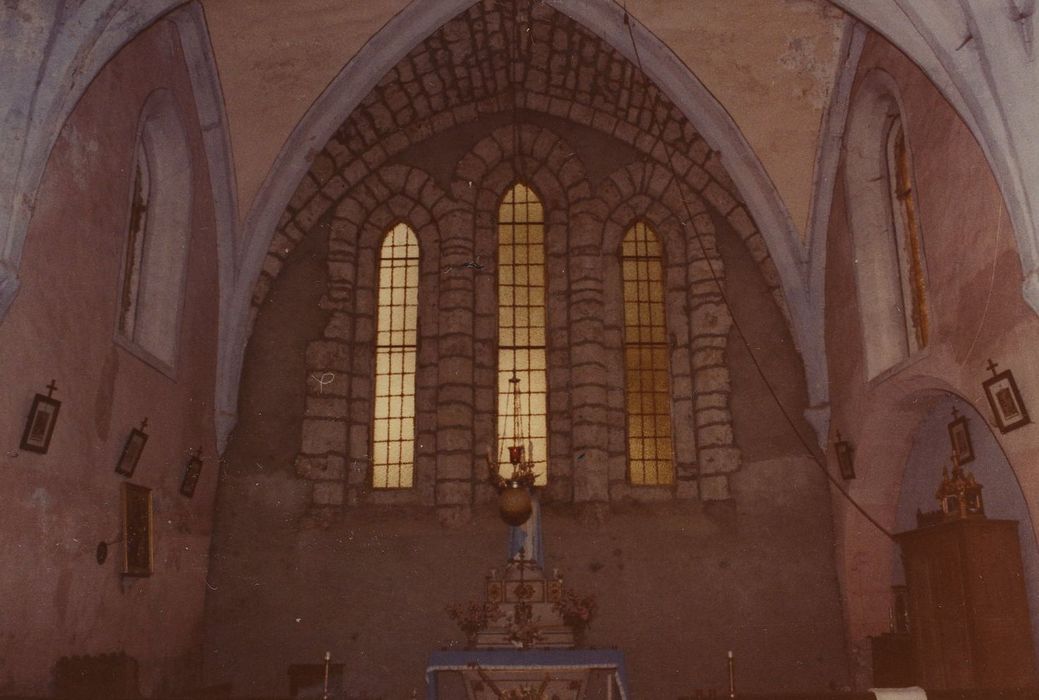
(525, 632)
(489, 674)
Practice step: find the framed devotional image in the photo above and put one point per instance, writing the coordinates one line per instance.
(131, 452)
(137, 530)
(1004, 398)
(191, 473)
(39, 426)
(959, 438)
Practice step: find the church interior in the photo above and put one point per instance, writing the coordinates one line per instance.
(524, 349)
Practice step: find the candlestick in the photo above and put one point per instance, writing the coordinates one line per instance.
(732, 676)
(328, 659)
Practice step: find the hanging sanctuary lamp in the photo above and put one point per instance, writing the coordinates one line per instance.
(514, 500)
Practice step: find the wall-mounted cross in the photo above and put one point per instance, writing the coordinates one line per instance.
(991, 366)
(51, 388)
(144, 424)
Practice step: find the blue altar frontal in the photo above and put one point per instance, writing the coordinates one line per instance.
(489, 674)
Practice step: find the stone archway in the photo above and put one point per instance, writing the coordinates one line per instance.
(739, 189)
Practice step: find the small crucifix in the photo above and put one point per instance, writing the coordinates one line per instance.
(144, 424)
(51, 388)
(991, 367)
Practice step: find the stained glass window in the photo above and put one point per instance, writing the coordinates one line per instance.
(521, 325)
(647, 382)
(393, 426)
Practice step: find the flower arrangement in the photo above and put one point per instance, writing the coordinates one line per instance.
(576, 610)
(473, 617)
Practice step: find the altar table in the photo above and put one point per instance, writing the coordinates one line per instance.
(569, 674)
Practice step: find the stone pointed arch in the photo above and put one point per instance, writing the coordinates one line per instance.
(691, 99)
(698, 321)
(334, 446)
(542, 160)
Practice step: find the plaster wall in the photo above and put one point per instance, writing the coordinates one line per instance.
(679, 582)
(973, 277)
(771, 64)
(56, 599)
(274, 60)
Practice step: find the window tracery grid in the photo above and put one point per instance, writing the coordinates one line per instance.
(647, 368)
(521, 325)
(393, 424)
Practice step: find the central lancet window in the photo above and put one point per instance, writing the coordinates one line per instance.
(647, 386)
(393, 426)
(521, 324)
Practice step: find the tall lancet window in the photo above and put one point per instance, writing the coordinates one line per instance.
(647, 383)
(521, 324)
(133, 262)
(154, 265)
(393, 426)
(887, 234)
(907, 239)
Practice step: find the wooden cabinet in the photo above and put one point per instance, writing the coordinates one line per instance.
(968, 610)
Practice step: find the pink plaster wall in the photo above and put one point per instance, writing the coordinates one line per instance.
(54, 597)
(977, 312)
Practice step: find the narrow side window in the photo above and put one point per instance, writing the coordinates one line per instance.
(647, 368)
(393, 425)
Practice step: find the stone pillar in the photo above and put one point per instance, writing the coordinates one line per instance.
(485, 361)
(455, 407)
(362, 369)
(557, 356)
(679, 298)
(323, 452)
(426, 374)
(710, 322)
(587, 358)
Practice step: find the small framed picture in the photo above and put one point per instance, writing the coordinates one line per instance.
(137, 530)
(845, 457)
(191, 473)
(1005, 400)
(959, 437)
(39, 427)
(131, 452)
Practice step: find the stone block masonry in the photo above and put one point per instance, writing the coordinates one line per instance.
(366, 176)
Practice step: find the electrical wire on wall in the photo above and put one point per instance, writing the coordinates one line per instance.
(669, 151)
